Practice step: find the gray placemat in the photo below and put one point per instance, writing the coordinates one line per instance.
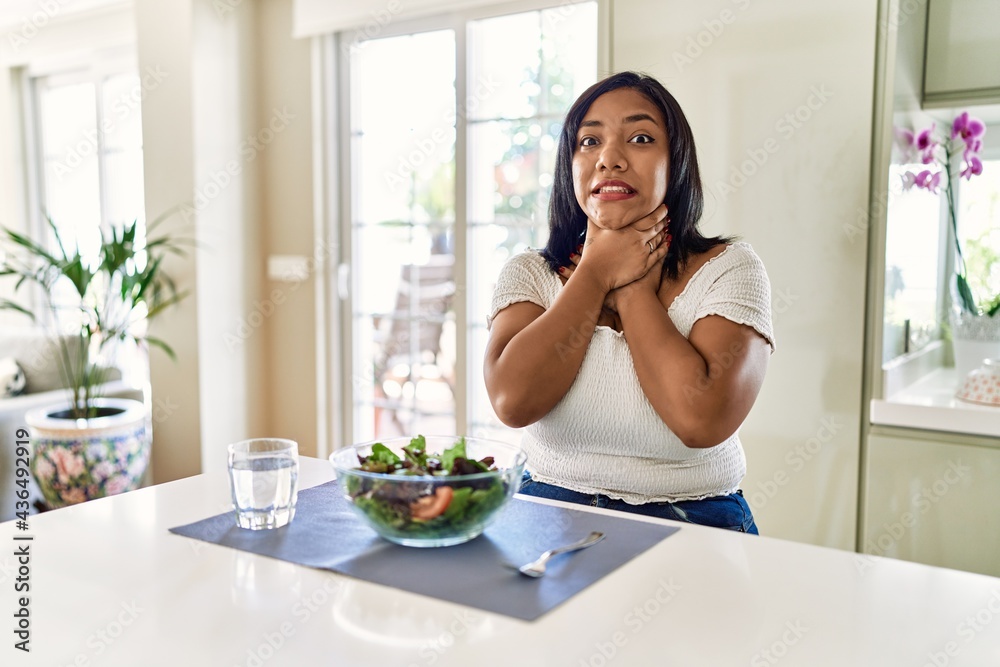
(327, 534)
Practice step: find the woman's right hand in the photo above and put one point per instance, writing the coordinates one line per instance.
(621, 256)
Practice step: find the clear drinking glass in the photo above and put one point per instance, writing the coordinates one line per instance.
(264, 479)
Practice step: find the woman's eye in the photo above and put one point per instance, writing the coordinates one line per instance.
(588, 141)
(642, 139)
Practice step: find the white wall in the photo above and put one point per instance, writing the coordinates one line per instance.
(284, 71)
(210, 139)
(227, 203)
(739, 69)
(165, 39)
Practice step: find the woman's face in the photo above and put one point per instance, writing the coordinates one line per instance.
(621, 162)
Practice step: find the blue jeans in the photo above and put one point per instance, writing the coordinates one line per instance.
(731, 512)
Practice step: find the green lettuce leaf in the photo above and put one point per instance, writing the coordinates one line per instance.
(382, 454)
(449, 455)
(416, 452)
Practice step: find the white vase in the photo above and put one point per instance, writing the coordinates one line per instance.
(974, 338)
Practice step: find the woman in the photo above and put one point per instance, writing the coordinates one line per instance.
(632, 347)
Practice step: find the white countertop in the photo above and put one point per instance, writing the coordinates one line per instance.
(930, 404)
(110, 586)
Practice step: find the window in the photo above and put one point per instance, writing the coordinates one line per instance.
(913, 242)
(89, 153)
(920, 252)
(979, 229)
(449, 179)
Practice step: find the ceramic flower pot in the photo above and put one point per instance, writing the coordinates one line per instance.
(74, 460)
(974, 338)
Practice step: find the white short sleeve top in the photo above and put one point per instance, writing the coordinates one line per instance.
(604, 436)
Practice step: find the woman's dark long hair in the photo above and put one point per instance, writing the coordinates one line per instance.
(684, 200)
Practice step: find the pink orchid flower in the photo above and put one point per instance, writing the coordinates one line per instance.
(925, 139)
(928, 181)
(904, 136)
(968, 127)
(972, 148)
(973, 167)
(903, 139)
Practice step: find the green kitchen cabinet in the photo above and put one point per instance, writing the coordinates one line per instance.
(931, 497)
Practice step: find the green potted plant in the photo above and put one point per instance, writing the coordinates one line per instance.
(91, 446)
(953, 155)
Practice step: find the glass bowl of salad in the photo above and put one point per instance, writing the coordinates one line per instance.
(432, 491)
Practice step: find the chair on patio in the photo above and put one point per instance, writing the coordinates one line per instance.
(409, 338)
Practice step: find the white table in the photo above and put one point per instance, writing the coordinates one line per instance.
(111, 586)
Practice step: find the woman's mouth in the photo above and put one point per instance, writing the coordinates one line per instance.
(613, 192)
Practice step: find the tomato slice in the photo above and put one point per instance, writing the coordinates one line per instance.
(429, 507)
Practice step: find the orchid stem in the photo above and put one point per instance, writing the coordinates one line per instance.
(951, 210)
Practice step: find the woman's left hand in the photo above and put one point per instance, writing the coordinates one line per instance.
(650, 281)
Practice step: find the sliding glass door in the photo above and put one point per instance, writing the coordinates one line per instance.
(452, 144)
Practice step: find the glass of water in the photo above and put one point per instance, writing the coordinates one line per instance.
(264, 478)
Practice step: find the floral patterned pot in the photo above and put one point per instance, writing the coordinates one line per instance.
(74, 460)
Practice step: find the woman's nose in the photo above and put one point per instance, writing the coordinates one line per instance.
(611, 157)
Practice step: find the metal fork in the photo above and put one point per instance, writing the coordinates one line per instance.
(536, 568)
